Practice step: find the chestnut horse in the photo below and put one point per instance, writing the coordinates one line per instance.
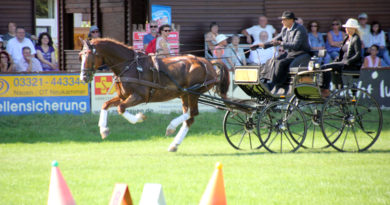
(138, 81)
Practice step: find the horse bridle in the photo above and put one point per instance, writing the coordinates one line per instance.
(91, 50)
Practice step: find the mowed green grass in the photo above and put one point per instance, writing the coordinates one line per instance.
(136, 154)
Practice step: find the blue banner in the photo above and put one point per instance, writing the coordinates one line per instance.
(43, 93)
(162, 14)
(29, 105)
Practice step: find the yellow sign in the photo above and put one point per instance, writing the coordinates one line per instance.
(42, 85)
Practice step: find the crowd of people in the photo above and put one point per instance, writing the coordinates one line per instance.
(374, 48)
(23, 52)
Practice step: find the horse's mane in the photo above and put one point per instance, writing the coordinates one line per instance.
(97, 41)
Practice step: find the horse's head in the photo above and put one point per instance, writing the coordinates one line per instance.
(90, 61)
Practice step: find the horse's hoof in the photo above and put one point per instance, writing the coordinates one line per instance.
(172, 148)
(141, 117)
(104, 132)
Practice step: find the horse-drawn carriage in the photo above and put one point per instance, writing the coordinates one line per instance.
(349, 119)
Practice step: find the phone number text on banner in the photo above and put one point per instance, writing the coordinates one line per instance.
(43, 93)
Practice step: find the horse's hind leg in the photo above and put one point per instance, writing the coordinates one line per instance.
(177, 121)
(192, 103)
(104, 130)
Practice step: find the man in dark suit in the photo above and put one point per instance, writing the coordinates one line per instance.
(293, 38)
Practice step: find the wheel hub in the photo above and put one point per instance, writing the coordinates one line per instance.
(249, 125)
(350, 119)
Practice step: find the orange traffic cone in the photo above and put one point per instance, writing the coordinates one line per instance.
(215, 191)
(59, 192)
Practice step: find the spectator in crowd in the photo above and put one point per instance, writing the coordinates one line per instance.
(15, 45)
(94, 32)
(316, 41)
(6, 63)
(153, 33)
(334, 39)
(45, 52)
(377, 37)
(372, 60)
(12, 33)
(219, 50)
(299, 20)
(292, 38)
(350, 57)
(364, 30)
(2, 47)
(210, 37)
(236, 54)
(254, 31)
(28, 63)
(260, 55)
(163, 48)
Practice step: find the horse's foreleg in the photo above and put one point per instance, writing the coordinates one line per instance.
(104, 130)
(133, 100)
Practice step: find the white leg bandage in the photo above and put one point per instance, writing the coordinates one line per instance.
(132, 118)
(103, 118)
(181, 134)
(177, 121)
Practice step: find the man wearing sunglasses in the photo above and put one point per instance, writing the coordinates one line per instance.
(153, 33)
(94, 32)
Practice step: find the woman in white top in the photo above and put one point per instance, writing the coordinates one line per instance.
(210, 37)
(162, 46)
(372, 61)
(377, 37)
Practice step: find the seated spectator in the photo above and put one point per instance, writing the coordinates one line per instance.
(316, 41)
(153, 33)
(28, 63)
(364, 32)
(94, 32)
(6, 63)
(15, 45)
(261, 55)
(299, 20)
(163, 48)
(254, 31)
(210, 37)
(237, 55)
(46, 53)
(219, 50)
(377, 37)
(372, 60)
(335, 39)
(2, 47)
(12, 33)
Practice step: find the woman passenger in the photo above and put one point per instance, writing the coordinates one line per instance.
(350, 56)
(163, 48)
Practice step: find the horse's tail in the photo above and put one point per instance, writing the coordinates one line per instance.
(223, 77)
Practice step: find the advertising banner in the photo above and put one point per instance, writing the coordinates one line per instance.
(102, 83)
(43, 93)
(162, 14)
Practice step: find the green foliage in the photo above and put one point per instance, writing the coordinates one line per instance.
(136, 154)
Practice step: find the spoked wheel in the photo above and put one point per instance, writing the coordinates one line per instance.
(312, 112)
(351, 120)
(240, 130)
(282, 127)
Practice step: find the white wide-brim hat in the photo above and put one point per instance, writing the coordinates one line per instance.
(220, 38)
(351, 23)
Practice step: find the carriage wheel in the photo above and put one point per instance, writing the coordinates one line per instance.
(240, 130)
(282, 127)
(312, 111)
(351, 120)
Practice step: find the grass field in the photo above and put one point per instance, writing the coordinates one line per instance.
(136, 154)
